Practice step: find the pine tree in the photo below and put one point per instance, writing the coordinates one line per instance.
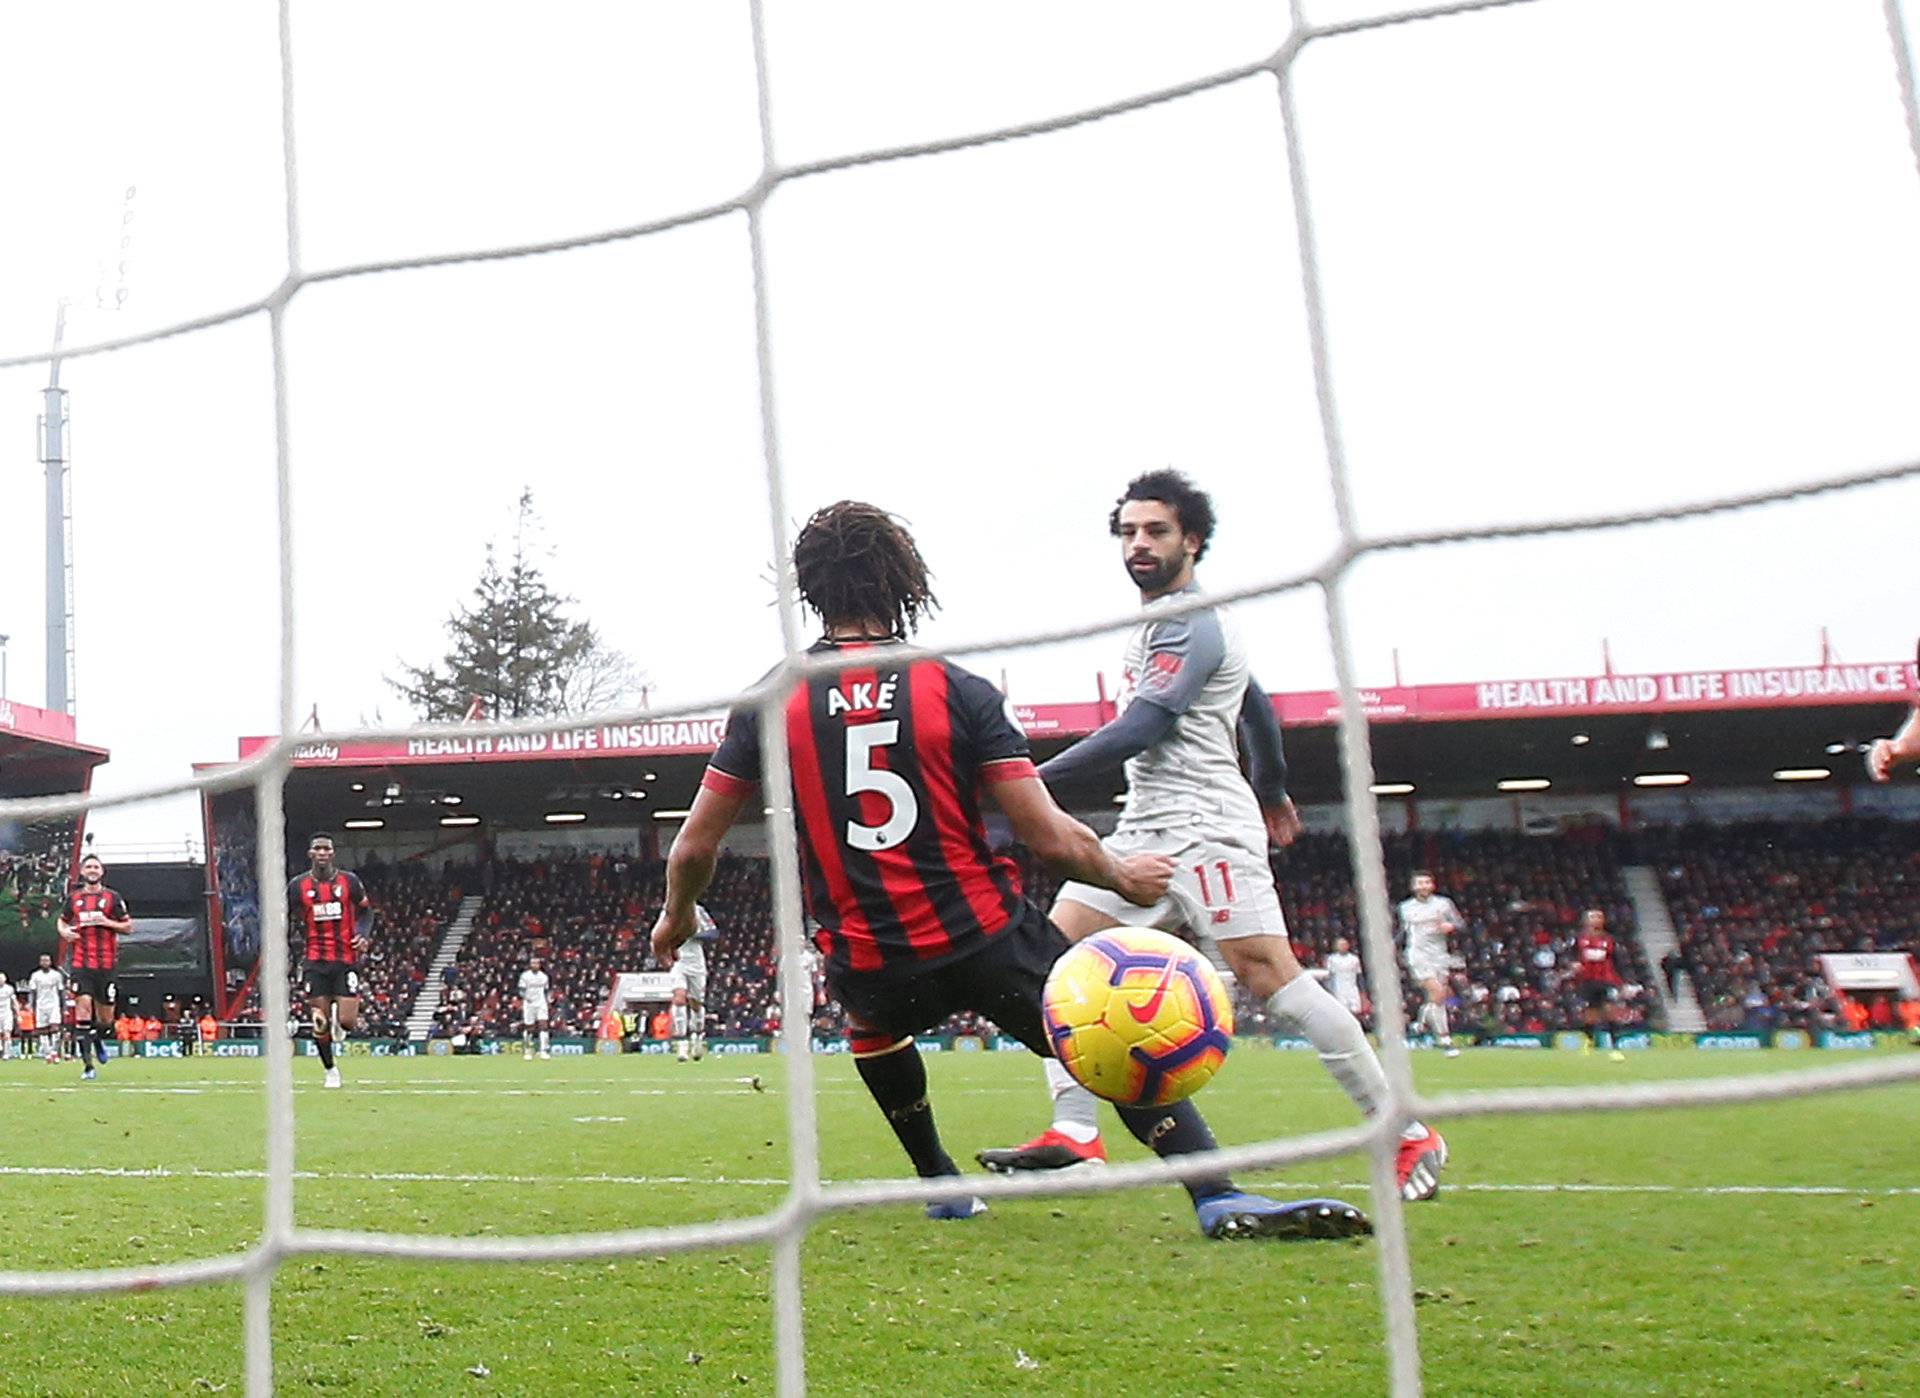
(514, 647)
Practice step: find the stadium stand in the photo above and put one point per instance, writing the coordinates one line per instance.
(33, 869)
(1522, 897)
(1755, 903)
(585, 913)
(412, 904)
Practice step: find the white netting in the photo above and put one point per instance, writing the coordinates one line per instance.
(807, 1196)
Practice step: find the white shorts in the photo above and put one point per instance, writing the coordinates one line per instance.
(48, 1016)
(693, 982)
(532, 1012)
(1424, 969)
(1220, 889)
(1350, 997)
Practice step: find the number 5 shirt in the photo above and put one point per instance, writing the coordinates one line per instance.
(888, 764)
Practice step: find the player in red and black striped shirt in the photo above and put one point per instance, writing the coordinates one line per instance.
(329, 913)
(918, 918)
(92, 923)
(1597, 979)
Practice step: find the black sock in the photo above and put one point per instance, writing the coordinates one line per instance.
(324, 1043)
(84, 1041)
(898, 1081)
(1175, 1130)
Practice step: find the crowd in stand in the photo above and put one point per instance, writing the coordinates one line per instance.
(585, 914)
(33, 869)
(1522, 898)
(412, 906)
(1755, 904)
(1752, 905)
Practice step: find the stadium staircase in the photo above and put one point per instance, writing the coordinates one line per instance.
(420, 1019)
(1657, 941)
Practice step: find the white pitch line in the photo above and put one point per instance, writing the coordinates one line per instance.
(161, 1172)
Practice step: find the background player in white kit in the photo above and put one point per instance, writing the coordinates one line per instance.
(688, 1014)
(1428, 919)
(47, 986)
(1188, 703)
(6, 1016)
(533, 1008)
(1343, 977)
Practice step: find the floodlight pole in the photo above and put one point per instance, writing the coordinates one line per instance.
(53, 459)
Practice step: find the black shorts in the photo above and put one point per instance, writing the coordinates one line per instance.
(1596, 994)
(97, 985)
(1002, 981)
(334, 979)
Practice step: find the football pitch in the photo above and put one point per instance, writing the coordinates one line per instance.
(1765, 1249)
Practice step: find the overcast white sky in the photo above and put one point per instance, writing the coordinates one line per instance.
(1580, 255)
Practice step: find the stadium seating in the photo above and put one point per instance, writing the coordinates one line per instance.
(411, 905)
(1752, 905)
(586, 914)
(33, 868)
(1755, 903)
(1522, 897)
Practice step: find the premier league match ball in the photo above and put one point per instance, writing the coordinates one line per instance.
(1138, 1017)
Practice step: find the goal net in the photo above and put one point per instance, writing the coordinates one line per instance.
(809, 1198)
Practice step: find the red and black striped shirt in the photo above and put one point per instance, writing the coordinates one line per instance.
(1593, 952)
(324, 913)
(888, 761)
(87, 912)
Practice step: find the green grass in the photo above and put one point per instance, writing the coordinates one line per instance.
(1678, 1292)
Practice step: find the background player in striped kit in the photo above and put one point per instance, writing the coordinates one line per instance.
(1597, 980)
(1190, 707)
(918, 917)
(1428, 919)
(330, 911)
(92, 923)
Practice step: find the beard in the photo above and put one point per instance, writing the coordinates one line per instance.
(1155, 578)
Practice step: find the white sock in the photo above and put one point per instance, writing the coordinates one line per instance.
(1075, 1110)
(1437, 1016)
(1341, 1043)
(543, 1040)
(679, 1021)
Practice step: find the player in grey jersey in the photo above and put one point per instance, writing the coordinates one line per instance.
(1428, 919)
(1189, 704)
(688, 1015)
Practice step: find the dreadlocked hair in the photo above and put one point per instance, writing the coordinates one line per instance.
(855, 562)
